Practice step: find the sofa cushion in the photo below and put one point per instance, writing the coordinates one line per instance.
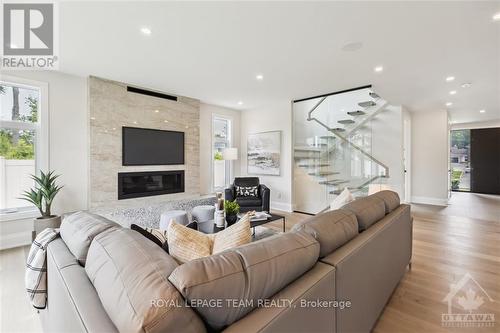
(249, 274)
(331, 229)
(130, 274)
(79, 229)
(368, 210)
(390, 198)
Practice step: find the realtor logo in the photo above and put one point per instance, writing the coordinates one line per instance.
(29, 36)
(464, 301)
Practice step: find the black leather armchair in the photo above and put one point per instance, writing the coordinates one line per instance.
(258, 203)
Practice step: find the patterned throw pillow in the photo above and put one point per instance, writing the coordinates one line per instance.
(247, 191)
(187, 244)
(157, 236)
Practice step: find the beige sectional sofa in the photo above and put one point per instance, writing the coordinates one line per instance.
(332, 273)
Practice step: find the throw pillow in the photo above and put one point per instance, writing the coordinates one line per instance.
(342, 199)
(233, 236)
(157, 236)
(247, 191)
(187, 244)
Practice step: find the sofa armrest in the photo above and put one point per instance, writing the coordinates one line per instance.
(230, 193)
(369, 267)
(265, 195)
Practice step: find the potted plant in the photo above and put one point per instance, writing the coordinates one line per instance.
(232, 209)
(42, 196)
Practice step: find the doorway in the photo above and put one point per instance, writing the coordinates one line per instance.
(475, 160)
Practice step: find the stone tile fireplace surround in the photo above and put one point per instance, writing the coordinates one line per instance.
(111, 106)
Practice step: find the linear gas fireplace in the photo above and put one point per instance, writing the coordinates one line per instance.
(143, 184)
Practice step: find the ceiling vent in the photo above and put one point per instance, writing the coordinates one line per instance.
(151, 93)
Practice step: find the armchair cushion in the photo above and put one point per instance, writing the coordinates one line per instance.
(249, 201)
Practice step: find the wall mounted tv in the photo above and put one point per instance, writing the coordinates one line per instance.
(145, 146)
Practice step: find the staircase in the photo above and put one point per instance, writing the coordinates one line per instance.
(333, 147)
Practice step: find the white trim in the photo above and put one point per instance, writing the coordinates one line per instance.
(15, 240)
(429, 201)
(228, 164)
(283, 206)
(22, 214)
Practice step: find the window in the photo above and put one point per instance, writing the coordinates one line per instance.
(23, 140)
(221, 139)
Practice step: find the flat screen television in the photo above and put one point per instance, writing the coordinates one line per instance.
(145, 146)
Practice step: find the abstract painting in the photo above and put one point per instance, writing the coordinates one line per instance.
(264, 153)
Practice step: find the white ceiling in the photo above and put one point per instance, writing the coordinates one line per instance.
(212, 51)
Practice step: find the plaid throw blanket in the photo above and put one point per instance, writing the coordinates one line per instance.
(35, 278)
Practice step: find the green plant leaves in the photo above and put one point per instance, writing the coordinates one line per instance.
(44, 192)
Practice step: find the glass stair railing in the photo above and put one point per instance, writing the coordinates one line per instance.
(333, 147)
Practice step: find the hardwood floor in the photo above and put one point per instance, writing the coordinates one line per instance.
(448, 243)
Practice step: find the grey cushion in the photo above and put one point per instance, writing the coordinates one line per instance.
(130, 274)
(79, 229)
(390, 198)
(368, 210)
(248, 273)
(332, 229)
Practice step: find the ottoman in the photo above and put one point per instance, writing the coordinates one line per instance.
(203, 213)
(180, 216)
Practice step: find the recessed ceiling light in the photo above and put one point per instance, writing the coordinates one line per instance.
(450, 78)
(259, 77)
(378, 69)
(165, 121)
(146, 31)
(92, 118)
(449, 104)
(466, 85)
(453, 92)
(351, 47)
(482, 111)
(240, 103)
(135, 122)
(156, 111)
(114, 128)
(496, 17)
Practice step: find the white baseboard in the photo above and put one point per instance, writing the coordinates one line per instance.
(429, 201)
(15, 240)
(283, 206)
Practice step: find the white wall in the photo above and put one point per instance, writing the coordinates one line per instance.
(387, 145)
(429, 154)
(207, 111)
(68, 148)
(274, 117)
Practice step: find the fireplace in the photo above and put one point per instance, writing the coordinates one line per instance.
(143, 184)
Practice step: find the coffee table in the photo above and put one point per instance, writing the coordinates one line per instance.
(209, 227)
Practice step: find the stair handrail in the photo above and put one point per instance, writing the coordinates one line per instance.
(344, 139)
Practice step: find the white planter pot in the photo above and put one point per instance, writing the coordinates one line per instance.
(40, 224)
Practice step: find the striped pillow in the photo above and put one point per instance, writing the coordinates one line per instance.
(233, 236)
(157, 236)
(186, 244)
